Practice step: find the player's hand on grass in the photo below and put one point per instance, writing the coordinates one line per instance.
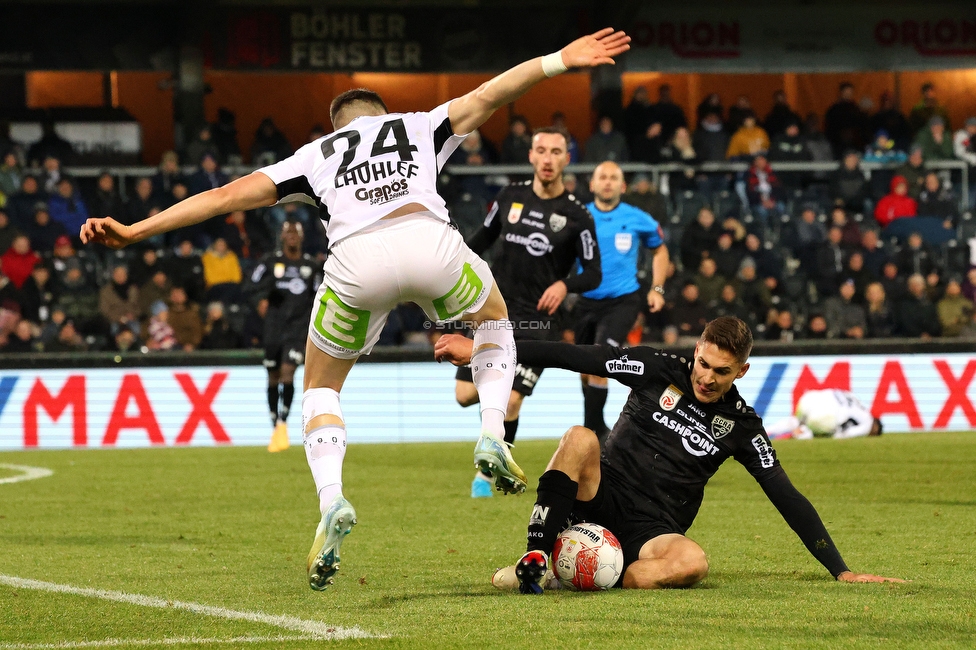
(453, 348)
(595, 49)
(850, 576)
(553, 297)
(108, 232)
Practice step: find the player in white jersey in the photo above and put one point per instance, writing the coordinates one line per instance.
(828, 413)
(390, 241)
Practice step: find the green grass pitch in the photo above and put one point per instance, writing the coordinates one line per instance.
(230, 528)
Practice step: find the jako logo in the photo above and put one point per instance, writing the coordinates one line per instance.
(383, 193)
(623, 364)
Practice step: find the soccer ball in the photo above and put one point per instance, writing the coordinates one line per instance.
(588, 558)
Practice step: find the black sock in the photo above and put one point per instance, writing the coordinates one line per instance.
(594, 399)
(511, 426)
(287, 395)
(552, 509)
(273, 402)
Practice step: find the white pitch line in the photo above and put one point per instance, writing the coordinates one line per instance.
(180, 640)
(312, 628)
(27, 473)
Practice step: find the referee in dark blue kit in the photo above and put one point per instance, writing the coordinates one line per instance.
(605, 315)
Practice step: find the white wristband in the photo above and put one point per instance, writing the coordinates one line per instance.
(552, 64)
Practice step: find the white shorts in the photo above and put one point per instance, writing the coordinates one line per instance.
(414, 258)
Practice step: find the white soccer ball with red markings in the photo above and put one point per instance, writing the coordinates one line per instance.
(587, 557)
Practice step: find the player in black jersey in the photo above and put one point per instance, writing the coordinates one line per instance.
(683, 419)
(282, 288)
(544, 230)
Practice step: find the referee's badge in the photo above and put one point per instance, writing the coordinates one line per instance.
(557, 222)
(515, 212)
(721, 426)
(622, 241)
(669, 398)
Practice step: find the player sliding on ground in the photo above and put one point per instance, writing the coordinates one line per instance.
(683, 419)
(391, 242)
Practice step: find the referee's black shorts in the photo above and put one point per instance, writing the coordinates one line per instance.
(607, 321)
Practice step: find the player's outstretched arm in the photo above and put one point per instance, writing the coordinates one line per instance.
(850, 576)
(255, 190)
(470, 111)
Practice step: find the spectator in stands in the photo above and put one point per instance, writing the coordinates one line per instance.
(8, 231)
(766, 194)
(217, 333)
(897, 204)
(845, 122)
(270, 144)
(156, 288)
(848, 185)
(689, 313)
(581, 192)
(890, 120)
(756, 296)
(474, 151)
(207, 177)
(806, 234)
(748, 141)
(873, 252)
(224, 132)
(708, 281)
(106, 201)
(67, 207)
(916, 257)
(647, 147)
(185, 269)
(928, 106)
(964, 146)
(184, 316)
(831, 260)
(221, 272)
(936, 200)
(934, 141)
(710, 139)
(51, 174)
(144, 265)
(879, 315)
(699, 239)
(913, 171)
(51, 144)
(816, 140)
(168, 176)
(606, 144)
(160, 335)
(954, 309)
(893, 283)
(816, 327)
(201, 145)
(729, 304)
(69, 339)
(845, 318)
(852, 232)
(782, 327)
(728, 255)
(882, 150)
(711, 105)
(22, 339)
(669, 115)
(789, 146)
(79, 299)
(969, 284)
(518, 143)
(854, 270)
(38, 294)
(44, 231)
(738, 112)
(10, 175)
(246, 235)
(638, 116)
(118, 301)
(22, 204)
(780, 116)
(680, 151)
(642, 193)
(18, 261)
(934, 287)
(768, 262)
(559, 121)
(140, 203)
(916, 315)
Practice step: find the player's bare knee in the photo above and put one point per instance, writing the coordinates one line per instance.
(579, 442)
(690, 568)
(466, 394)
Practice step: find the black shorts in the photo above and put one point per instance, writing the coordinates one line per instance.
(291, 350)
(525, 378)
(615, 507)
(606, 322)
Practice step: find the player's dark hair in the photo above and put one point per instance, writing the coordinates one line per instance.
(364, 95)
(558, 130)
(730, 334)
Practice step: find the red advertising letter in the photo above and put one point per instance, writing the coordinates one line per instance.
(839, 377)
(72, 394)
(202, 408)
(957, 394)
(892, 375)
(131, 388)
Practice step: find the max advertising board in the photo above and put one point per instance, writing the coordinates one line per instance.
(414, 402)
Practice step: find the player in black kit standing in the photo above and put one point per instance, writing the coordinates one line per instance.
(544, 231)
(683, 419)
(283, 288)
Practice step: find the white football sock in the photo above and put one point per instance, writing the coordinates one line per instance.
(325, 446)
(493, 361)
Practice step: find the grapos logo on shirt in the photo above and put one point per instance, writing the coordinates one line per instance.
(383, 193)
(623, 364)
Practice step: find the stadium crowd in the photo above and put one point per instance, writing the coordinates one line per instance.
(797, 254)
